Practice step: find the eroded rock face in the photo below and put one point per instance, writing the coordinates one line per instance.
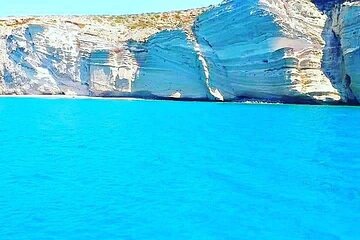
(346, 27)
(91, 56)
(268, 50)
(168, 67)
(272, 50)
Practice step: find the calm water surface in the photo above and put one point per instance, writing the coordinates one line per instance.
(109, 169)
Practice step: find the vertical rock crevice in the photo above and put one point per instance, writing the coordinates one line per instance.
(337, 53)
(214, 93)
(168, 67)
(332, 61)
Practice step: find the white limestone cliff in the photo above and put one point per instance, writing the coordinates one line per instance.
(295, 51)
(344, 23)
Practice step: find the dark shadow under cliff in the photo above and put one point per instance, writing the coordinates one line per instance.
(333, 56)
(325, 5)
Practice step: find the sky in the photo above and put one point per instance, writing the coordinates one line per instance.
(91, 7)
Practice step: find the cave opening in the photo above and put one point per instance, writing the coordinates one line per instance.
(347, 80)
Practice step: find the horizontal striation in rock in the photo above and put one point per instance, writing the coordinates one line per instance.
(168, 67)
(72, 55)
(268, 50)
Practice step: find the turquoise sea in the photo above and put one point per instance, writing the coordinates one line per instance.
(121, 169)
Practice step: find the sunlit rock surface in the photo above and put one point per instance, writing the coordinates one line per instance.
(91, 56)
(295, 51)
(168, 67)
(268, 50)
